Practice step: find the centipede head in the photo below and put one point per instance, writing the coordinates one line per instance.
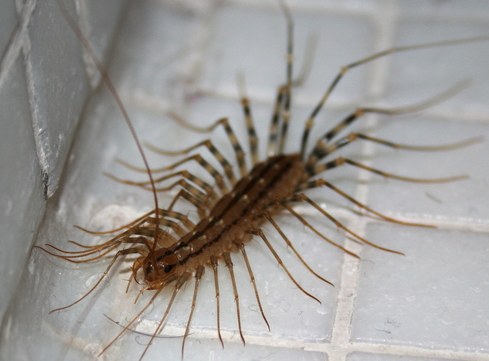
(159, 265)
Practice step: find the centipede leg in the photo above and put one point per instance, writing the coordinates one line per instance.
(288, 86)
(321, 182)
(228, 168)
(250, 126)
(180, 282)
(214, 265)
(291, 246)
(322, 149)
(229, 265)
(117, 255)
(182, 193)
(241, 248)
(218, 177)
(344, 69)
(342, 161)
(198, 276)
(260, 233)
(303, 197)
(308, 225)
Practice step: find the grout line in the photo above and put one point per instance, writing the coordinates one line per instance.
(17, 39)
(335, 352)
(351, 267)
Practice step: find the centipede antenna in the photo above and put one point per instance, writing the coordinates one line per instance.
(117, 99)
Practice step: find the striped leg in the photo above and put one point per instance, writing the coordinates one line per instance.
(321, 182)
(228, 168)
(198, 276)
(310, 121)
(219, 179)
(214, 264)
(308, 225)
(238, 150)
(183, 173)
(318, 152)
(259, 232)
(291, 246)
(250, 126)
(342, 161)
(230, 266)
(241, 248)
(303, 197)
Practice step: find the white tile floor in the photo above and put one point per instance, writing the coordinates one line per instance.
(430, 304)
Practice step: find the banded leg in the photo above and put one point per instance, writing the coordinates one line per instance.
(250, 126)
(183, 173)
(327, 149)
(310, 121)
(241, 248)
(196, 196)
(230, 266)
(319, 152)
(274, 124)
(259, 232)
(214, 265)
(117, 255)
(134, 224)
(285, 113)
(303, 197)
(286, 99)
(219, 179)
(341, 161)
(198, 276)
(238, 150)
(228, 168)
(105, 249)
(198, 203)
(179, 231)
(291, 246)
(308, 225)
(180, 282)
(321, 182)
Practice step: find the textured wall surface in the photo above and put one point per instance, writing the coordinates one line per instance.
(44, 85)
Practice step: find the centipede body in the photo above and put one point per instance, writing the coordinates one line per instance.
(330, 264)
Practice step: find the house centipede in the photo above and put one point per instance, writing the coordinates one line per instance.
(351, 162)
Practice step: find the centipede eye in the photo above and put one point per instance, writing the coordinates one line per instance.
(168, 268)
